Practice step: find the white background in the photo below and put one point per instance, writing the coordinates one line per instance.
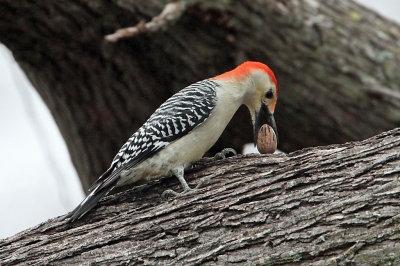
(37, 179)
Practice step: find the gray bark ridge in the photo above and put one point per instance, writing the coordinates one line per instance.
(337, 204)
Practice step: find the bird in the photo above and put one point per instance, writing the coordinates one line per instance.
(185, 127)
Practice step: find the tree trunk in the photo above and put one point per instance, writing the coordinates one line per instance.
(329, 205)
(336, 64)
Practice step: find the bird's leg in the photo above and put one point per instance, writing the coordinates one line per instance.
(179, 173)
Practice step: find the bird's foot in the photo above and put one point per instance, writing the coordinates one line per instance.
(225, 153)
(171, 193)
(202, 181)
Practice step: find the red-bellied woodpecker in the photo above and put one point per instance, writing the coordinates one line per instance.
(184, 127)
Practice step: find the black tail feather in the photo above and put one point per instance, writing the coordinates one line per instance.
(91, 200)
(102, 178)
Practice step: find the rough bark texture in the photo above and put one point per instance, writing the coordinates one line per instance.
(330, 205)
(336, 65)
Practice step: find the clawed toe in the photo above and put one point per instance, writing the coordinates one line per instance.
(171, 193)
(202, 181)
(229, 152)
(219, 156)
(225, 153)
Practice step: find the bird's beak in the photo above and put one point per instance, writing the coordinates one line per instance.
(264, 116)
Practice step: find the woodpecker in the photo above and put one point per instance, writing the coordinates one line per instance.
(186, 126)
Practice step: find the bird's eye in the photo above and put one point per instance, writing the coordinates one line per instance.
(269, 94)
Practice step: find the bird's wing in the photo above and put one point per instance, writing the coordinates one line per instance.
(175, 118)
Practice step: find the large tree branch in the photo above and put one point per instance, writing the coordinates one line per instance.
(324, 53)
(326, 205)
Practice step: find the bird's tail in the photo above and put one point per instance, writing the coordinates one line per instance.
(91, 200)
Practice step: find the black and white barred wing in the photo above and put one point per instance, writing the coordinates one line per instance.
(175, 118)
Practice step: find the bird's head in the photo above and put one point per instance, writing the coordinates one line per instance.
(259, 92)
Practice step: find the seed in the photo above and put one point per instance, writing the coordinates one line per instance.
(266, 142)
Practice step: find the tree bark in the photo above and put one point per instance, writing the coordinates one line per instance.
(331, 205)
(336, 64)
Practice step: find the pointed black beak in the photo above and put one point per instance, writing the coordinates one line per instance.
(264, 116)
